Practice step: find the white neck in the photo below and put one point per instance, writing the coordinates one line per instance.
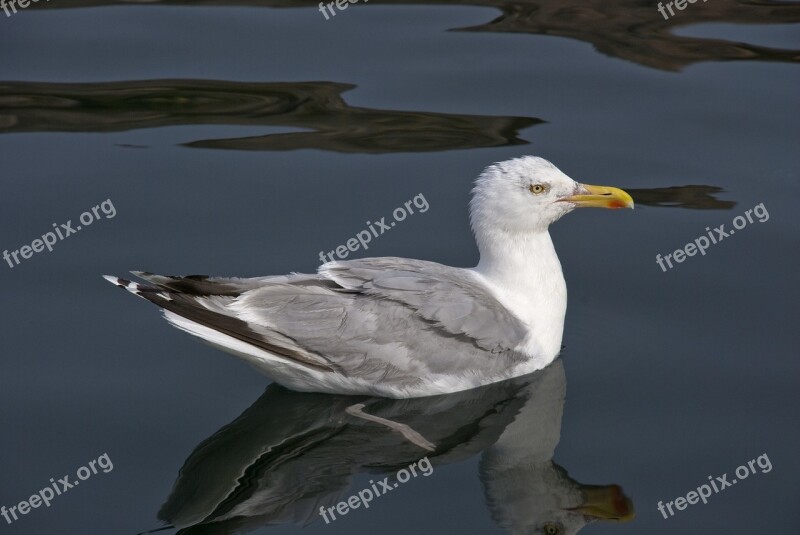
(525, 274)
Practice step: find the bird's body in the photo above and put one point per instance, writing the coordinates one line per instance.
(399, 327)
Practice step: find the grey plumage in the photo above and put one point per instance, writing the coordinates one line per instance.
(378, 320)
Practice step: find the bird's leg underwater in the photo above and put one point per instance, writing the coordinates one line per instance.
(412, 436)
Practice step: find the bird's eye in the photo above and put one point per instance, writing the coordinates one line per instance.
(537, 189)
(551, 529)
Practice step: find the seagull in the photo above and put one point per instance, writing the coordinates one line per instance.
(397, 327)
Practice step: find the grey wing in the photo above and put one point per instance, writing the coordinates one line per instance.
(377, 319)
(453, 298)
(390, 318)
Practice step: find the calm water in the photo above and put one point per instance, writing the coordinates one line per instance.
(244, 139)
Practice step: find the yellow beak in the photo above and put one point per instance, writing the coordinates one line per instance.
(600, 197)
(606, 503)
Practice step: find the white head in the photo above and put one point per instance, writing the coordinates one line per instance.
(513, 204)
(529, 193)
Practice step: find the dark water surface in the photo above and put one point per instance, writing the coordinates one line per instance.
(243, 138)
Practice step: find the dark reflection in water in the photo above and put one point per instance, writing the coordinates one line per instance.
(632, 30)
(291, 453)
(317, 106)
(120, 106)
(697, 197)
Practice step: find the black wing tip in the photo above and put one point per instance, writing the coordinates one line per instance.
(117, 281)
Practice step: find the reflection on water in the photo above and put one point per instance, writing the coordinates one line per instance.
(632, 30)
(120, 106)
(317, 106)
(291, 453)
(697, 197)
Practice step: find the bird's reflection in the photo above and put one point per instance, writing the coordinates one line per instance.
(291, 453)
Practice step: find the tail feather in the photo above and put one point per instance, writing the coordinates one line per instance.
(133, 287)
(197, 284)
(203, 285)
(205, 310)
